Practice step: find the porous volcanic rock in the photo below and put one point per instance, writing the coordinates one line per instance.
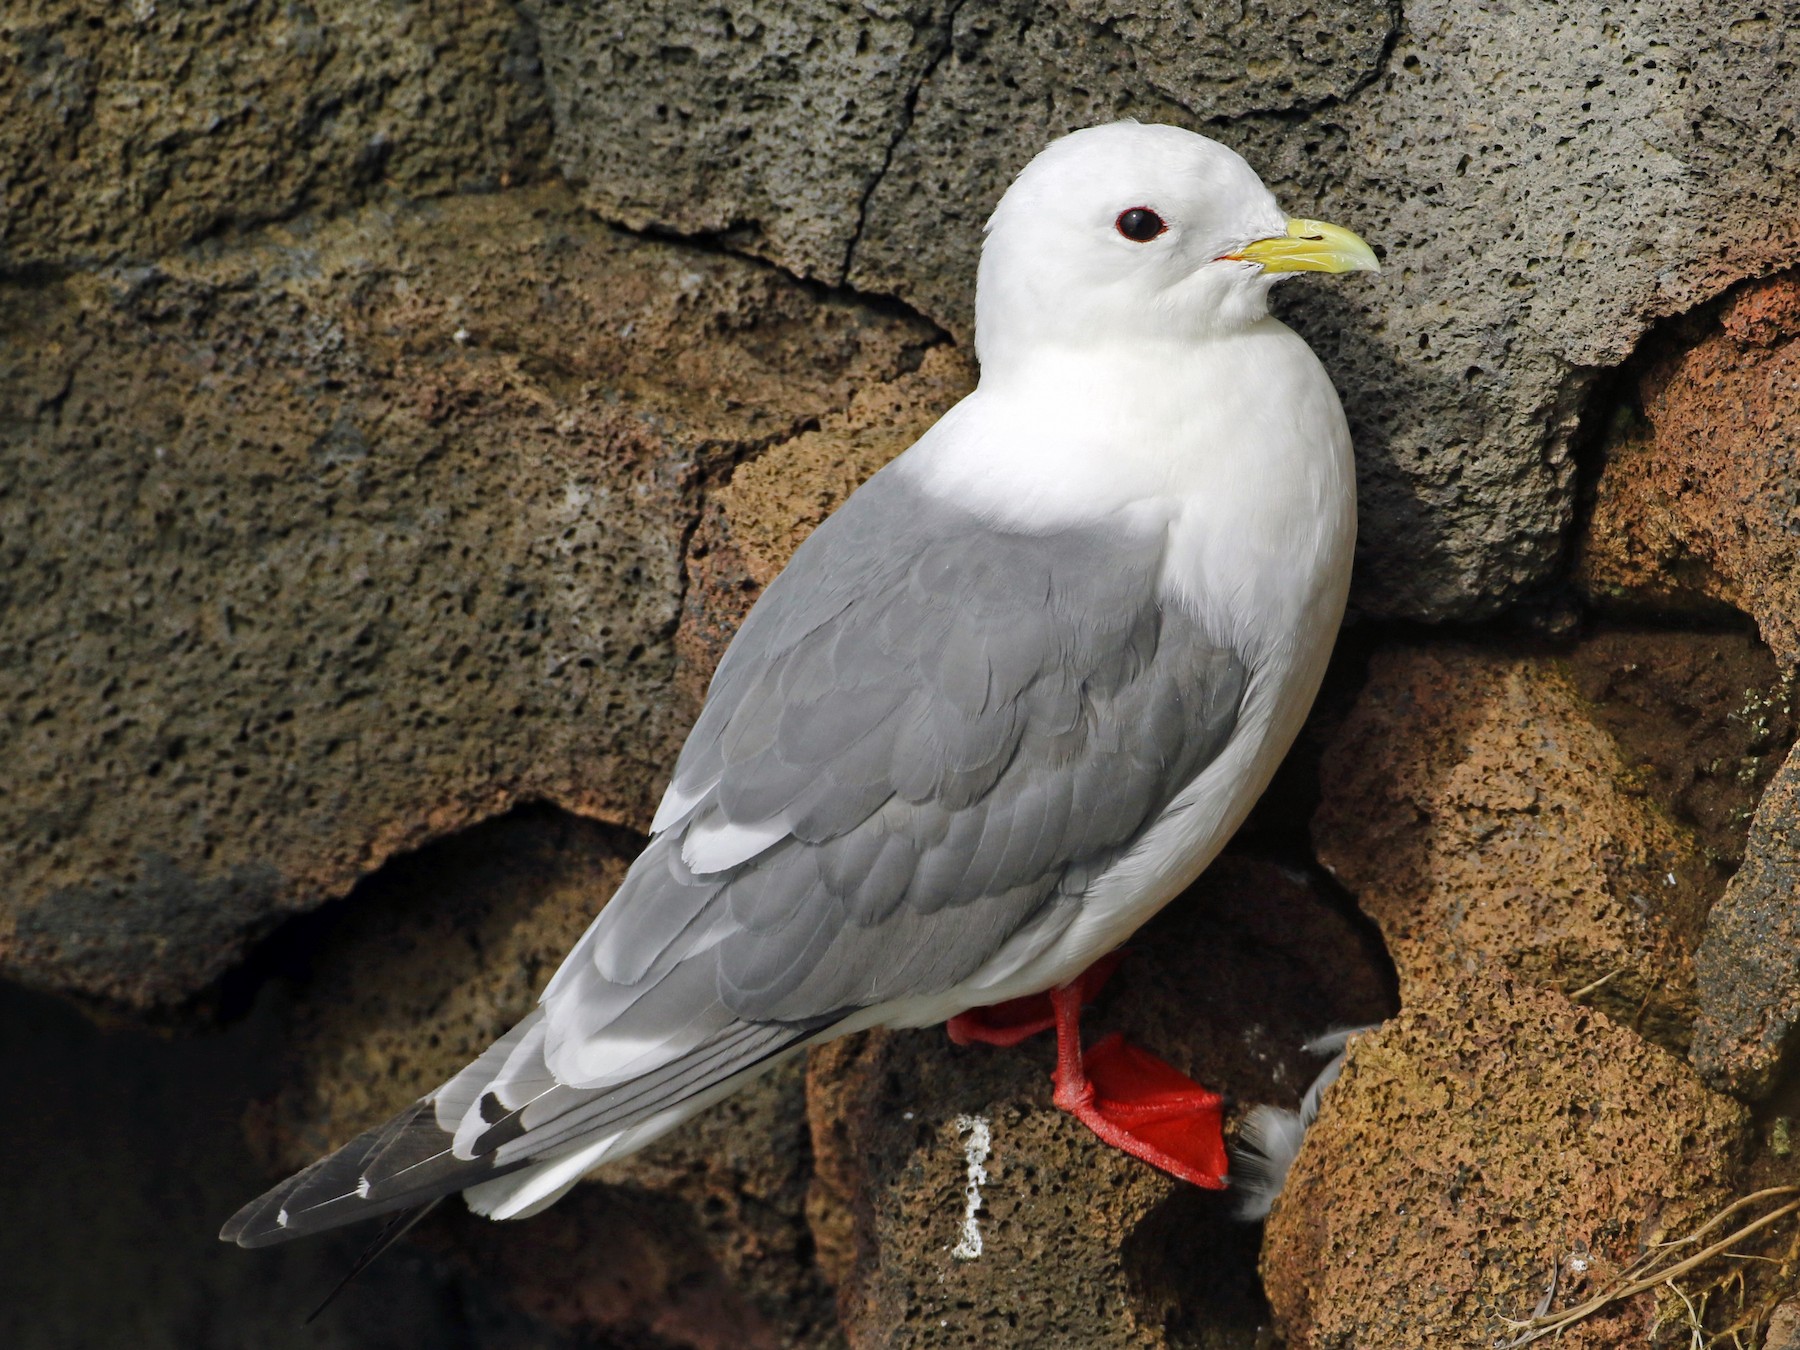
(1748, 966)
(765, 126)
(700, 1241)
(773, 502)
(1485, 820)
(1699, 497)
(322, 546)
(1080, 1245)
(1544, 182)
(1490, 1133)
(1015, 75)
(614, 1266)
(711, 1233)
(1703, 720)
(425, 964)
(132, 129)
(743, 1173)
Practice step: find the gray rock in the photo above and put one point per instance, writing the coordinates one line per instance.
(1543, 181)
(1748, 965)
(319, 548)
(771, 123)
(765, 122)
(1546, 181)
(1018, 75)
(131, 129)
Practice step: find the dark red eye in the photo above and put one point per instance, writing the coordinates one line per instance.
(1140, 224)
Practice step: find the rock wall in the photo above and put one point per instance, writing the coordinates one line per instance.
(299, 524)
(400, 406)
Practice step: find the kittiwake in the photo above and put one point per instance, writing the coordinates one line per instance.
(999, 709)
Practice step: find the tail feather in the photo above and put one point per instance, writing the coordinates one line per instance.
(1269, 1137)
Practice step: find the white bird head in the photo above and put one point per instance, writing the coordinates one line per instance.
(1139, 233)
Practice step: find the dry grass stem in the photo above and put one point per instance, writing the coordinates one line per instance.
(1589, 988)
(1650, 1270)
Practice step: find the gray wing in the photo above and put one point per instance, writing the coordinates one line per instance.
(927, 738)
(928, 733)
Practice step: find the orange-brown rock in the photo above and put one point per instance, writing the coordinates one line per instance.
(740, 1175)
(1489, 1134)
(699, 1242)
(1703, 720)
(609, 1267)
(1700, 499)
(428, 961)
(1749, 963)
(1486, 821)
(773, 502)
(1079, 1244)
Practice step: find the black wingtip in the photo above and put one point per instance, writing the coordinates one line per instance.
(398, 1165)
(264, 1220)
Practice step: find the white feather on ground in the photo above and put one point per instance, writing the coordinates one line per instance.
(1269, 1137)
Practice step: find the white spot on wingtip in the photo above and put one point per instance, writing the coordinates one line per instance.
(281, 1219)
(362, 1188)
(979, 1142)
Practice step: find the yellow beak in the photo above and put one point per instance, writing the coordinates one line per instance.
(1310, 246)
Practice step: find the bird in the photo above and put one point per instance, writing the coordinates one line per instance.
(1004, 704)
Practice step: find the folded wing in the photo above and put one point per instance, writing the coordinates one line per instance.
(928, 738)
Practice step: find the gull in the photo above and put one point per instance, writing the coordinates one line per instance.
(1001, 707)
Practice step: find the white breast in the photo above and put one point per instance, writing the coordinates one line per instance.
(1238, 443)
(1239, 446)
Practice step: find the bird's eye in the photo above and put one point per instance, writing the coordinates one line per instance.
(1140, 224)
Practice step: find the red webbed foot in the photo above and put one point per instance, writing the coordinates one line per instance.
(1145, 1107)
(1127, 1096)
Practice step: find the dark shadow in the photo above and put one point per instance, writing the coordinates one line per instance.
(465, 870)
(1192, 1266)
(122, 1150)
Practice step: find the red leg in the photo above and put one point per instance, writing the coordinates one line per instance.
(1135, 1102)
(1074, 1093)
(1019, 1019)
